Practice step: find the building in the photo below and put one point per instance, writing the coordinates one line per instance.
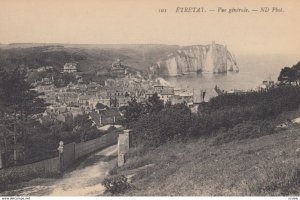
(84, 99)
(266, 85)
(47, 81)
(165, 93)
(45, 68)
(159, 89)
(70, 67)
(76, 111)
(165, 96)
(117, 69)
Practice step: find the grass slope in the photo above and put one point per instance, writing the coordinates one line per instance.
(260, 165)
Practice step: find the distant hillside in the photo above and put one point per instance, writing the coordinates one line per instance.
(91, 58)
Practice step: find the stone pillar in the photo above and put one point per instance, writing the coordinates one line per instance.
(61, 156)
(123, 147)
(128, 136)
(121, 159)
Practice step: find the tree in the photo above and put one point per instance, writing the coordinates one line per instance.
(132, 112)
(154, 104)
(84, 129)
(296, 69)
(287, 75)
(63, 79)
(290, 75)
(135, 110)
(168, 124)
(19, 104)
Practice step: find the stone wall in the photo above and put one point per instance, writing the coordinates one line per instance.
(72, 152)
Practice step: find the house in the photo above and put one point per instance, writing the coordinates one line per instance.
(42, 69)
(64, 96)
(70, 67)
(117, 69)
(163, 89)
(102, 93)
(149, 94)
(93, 86)
(116, 92)
(165, 96)
(76, 111)
(72, 102)
(47, 81)
(163, 92)
(84, 99)
(266, 85)
(50, 99)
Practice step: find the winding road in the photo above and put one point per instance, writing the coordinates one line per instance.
(85, 180)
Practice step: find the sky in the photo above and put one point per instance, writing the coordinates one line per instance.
(139, 22)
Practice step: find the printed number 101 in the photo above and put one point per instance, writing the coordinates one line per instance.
(162, 10)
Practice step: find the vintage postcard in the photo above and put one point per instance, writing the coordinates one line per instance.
(149, 98)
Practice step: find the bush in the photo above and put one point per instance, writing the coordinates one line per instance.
(116, 185)
(245, 130)
(154, 129)
(257, 104)
(226, 111)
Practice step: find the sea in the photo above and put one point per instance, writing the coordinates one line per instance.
(253, 69)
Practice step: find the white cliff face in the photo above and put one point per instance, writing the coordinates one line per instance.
(213, 58)
(209, 61)
(172, 66)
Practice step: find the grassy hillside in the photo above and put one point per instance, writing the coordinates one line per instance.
(243, 165)
(232, 146)
(91, 58)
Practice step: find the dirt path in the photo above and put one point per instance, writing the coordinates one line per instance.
(85, 180)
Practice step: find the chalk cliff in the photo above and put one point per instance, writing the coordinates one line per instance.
(212, 58)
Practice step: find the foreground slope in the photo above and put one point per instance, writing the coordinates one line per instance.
(266, 165)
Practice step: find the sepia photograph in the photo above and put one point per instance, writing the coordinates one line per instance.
(149, 98)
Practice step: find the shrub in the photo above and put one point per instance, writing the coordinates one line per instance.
(154, 129)
(245, 130)
(256, 104)
(226, 111)
(116, 185)
(174, 122)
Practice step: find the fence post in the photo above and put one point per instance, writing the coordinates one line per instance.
(61, 156)
(123, 146)
(1, 162)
